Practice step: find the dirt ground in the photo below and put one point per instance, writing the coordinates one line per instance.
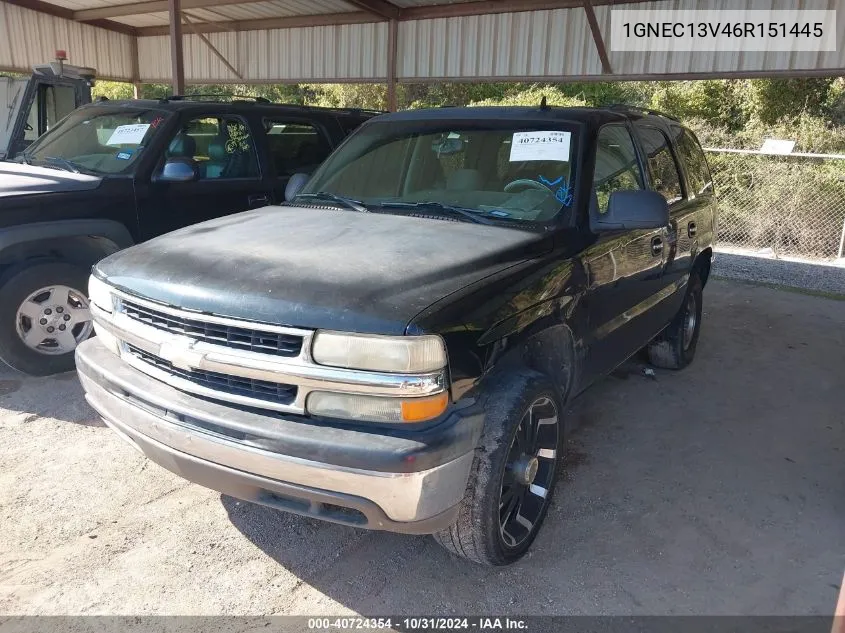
(718, 490)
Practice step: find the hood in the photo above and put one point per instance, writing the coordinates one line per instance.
(17, 179)
(317, 268)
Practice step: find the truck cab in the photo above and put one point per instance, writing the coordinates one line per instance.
(34, 104)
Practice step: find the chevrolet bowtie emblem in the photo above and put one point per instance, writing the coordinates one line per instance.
(180, 354)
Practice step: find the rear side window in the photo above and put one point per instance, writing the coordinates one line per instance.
(693, 156)
(295, 146)
(349, 124)
(662, 168)
(617, 167)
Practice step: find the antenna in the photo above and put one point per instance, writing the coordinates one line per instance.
(543, 104)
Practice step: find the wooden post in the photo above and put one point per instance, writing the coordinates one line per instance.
(392, 38)
(177, 62)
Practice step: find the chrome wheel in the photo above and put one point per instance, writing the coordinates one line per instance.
(690, 320)
(54, 320)
(529, 473)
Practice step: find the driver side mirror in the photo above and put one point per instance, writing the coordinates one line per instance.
(295, 185)
(178, 169)
(633, 209)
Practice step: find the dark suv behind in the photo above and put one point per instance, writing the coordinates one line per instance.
(115, 173)
(395, 348)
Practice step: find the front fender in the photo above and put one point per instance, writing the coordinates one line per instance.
(113, 231)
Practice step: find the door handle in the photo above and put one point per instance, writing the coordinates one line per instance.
(691, 229)
(258, 199)
(656, 246)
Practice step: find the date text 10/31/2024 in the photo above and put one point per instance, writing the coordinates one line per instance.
(412, 624)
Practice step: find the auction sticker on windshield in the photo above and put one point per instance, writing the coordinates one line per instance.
(551, 145)
(128, 134)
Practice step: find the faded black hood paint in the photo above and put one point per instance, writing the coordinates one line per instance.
(17, 179)
(317, 268)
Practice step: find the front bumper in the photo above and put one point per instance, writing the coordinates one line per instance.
(412, 484)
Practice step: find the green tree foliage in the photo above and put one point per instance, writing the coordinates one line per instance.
(533, 96)
(770, 100)
(716, 101)
(112, 90)
(369, 96)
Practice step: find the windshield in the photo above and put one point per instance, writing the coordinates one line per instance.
(97, 140)
(489, 172)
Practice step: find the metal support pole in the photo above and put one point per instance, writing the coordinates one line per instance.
(392, 40)
(136, 75)
(842, 242)
(177, 62)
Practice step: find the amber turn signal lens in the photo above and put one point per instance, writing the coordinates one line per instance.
(421, 409)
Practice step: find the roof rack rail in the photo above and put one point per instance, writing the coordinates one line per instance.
(215, 97)
(625, 106)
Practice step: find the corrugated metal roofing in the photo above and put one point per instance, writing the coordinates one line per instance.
(323, 53)
(79, 5)
(28, 38)
(529, 44)
(251, 11)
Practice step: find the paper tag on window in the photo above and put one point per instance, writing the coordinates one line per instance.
(128, 134)
(553, 145)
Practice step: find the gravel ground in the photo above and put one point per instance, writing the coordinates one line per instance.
(803, 274)
(719, 490)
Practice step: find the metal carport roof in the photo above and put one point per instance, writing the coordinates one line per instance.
(278, 41)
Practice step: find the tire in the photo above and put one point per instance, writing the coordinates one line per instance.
(22, 308)
(477, 534)
(674, 347)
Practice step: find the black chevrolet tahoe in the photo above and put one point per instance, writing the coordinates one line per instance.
(394, 348)
(115, 173)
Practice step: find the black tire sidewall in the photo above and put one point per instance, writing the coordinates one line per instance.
(17, 287)
(505, 412)
(687, 355)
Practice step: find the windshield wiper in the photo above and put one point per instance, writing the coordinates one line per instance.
(438, 207)
(349, 203)
(69, 166)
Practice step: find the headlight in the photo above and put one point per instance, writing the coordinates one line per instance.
(374, 408)
(394, 354)
(99, 293)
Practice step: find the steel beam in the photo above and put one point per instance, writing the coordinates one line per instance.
(329, 19)
(381, 8)
(392, 52)
(597, 38)
(217, 53)
(177, 61)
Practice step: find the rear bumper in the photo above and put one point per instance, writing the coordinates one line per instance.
(226, 449)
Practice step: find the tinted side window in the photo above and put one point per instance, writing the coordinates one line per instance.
(295, 146)
(662, 168)
(617, 167)
(697, 170)
(222, 147)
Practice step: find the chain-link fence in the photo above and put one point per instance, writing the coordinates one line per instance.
(785, 205)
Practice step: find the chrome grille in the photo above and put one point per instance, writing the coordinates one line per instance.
(246, 387)
(221, 334)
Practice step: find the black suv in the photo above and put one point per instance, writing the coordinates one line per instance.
(396, 346)
(114, 173)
